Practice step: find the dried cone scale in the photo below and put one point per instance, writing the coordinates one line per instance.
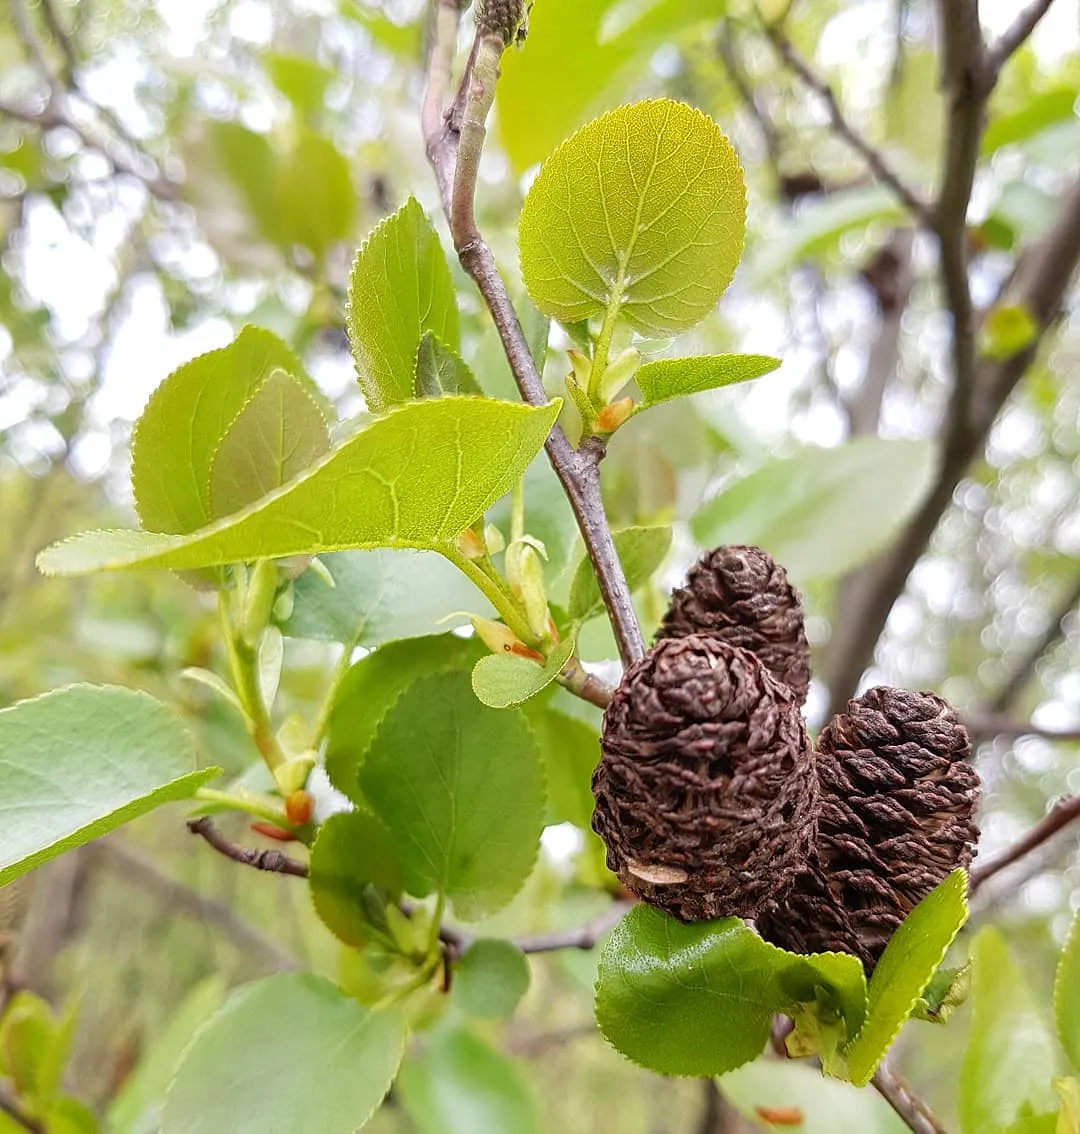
(705, 794)
(898, 800)
(742, 596)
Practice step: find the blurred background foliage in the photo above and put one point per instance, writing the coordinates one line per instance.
(173, 169)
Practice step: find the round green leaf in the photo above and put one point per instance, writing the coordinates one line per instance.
(825, 511)
(287, 1055)
(459, 1085)
(503, 680)
(460, 788)
(641, 550)
(490, 978)
(354, 868)
(685, 999)
(642, 212)
(78, 762)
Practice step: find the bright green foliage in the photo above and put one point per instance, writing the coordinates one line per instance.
(452, 780)
(137, 1109)
(279, 433)
(290, 1054)
(459, 1085)
(186, 421)
(399, 288)
(1047, 109)
(581, 53)
(354, 871)
(1009, 1058)
(439, 371)
(375, 490)
(372, 686)
(503, 680)
(1007, 331)
(379, 596)
(824, 511)
(909, 962)
(316, 200)
(670, 378)
(699, 999)
(824, 1105)
(571, 750)
(639, 215)
(490, 978)
(1067, 995)
(641, 551)
(79, 762)
(301, 80)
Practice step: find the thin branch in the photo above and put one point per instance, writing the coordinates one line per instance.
(1042, 280)
(14, 1110)
(1064, 812)
(454, 149)
(1016, 35)
(916, 1115)
(1022, 670)
(272, 861)
(869, 153)
(63, 41)
(184, 901)
(583, 936)
(728, 51)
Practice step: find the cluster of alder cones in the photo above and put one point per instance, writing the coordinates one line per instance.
(713, 802)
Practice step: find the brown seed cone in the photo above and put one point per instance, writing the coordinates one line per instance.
(500, 17)
(742, 596)
(898, 799)
(706, 794)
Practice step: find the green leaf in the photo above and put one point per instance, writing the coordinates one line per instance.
(641, 551)
(354, 869)
(287, 1053)
(79, 762)
(947, 991)
(819, 226)
(459, 1085)
(137, 1109)
(640, 213)
(906, 967)
(28, 1033)
(570, 750)
(278, 434)
(1010, 1057)
(501, 681)
(1007, 330)
(684, 999)
(399, 288)
(490, 978)
(248, 160)
(379, 596)
(301, 80)
(678, 377)
(825, 1106)
(460, 788)
(1037, 113)
(439, 371)
(316, 198)
(372, 686)
(401, 482)
(1067, 995)
(582, 58)
(186, 420)
(824, 511)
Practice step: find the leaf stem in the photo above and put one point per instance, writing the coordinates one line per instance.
(326, 708)
(517, 511)
(454, 155)
(494, 590)
(249, 804)
(243, 664)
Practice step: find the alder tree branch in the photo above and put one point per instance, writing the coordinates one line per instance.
(916, 1115)
(1042, 279)
(988, 727)
(585, 936)
(14, 1110)
(454, 144)
(272, 861)
(873, 157)
(1016, 35)
(1064, 812)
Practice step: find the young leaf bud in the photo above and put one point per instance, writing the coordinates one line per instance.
(613, 415)
(471, 545)
(299, 807)
(292, 775)
(493, 540)
(525, 574)
(619, 371)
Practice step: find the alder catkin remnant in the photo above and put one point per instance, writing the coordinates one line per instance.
(898, 800)
(500, 17)
(740, 595)
(706, 794)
